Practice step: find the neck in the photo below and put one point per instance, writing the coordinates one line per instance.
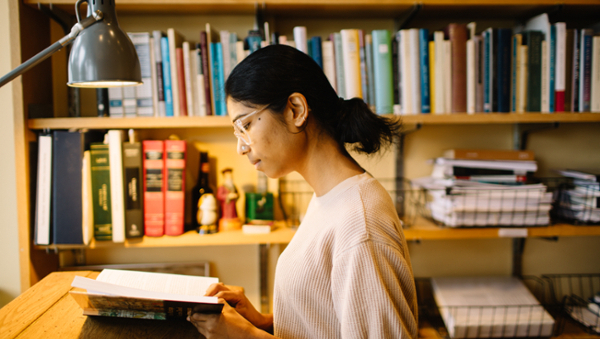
(326, 165)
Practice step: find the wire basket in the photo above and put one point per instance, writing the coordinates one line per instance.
(577, 201)
(476, 321)
(574, 294)
(295, 195)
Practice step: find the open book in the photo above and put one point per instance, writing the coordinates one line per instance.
(132, 294)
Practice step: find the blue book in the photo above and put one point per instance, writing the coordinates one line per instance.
(166, 63)
(424, 65)
(315, 50)
(218, 78)
(487, 100)
(552, 62)
(503, 39)
(585, 69)
(382, 71)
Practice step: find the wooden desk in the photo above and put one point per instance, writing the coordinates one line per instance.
(46, 310)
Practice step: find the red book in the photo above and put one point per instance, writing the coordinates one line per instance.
(183, 111)
(457, 34)
(154, 202)
(174, 186)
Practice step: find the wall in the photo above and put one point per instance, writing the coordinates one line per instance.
(9, 242)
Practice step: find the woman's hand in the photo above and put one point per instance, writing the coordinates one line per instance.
(228, 324)
(234, 295)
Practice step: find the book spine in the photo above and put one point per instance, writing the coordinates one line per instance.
(189, 83)
(369, 60)
(415, 73)
(129, 102)
(154, 80)
(329, 63)
(158, 65)
(424, 66)
(523, 76)
(218, 80)
(164, 45)
(503, 70)
(585, 78)
(405, 83)
(470, 76)
(143, 93)
(439, 82)
(487, 78)
(350, 54)
(206, 72)
(175, 158)
(382, 69)
(480, 72)
(181, 85)
(174, 40)
(560, 67)
(66, 187)
(300, 37)
(595, 75)
(458, 40)
(552, 70)
(397, 65)
(339, 65)
(569, 45)
(224, 36)
(200, 82)
(317, 52)
(100, 169)
(87, 217)
(43, 196)
(115, 100)
(154, 197)
(514, 70)
(576, 72)
(432, 77)
(115, 151)
(364, 80)
(134, 214)
(534, 64)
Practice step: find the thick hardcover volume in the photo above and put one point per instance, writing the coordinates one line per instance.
(488, 154)
(158, 65)
(143, 93)
(154, 201)
(382, 69)
(43, 196)
(174, 186)
(183, 111)
(533, 39)
(175, 40)
(458, 40)
(132, 165)
(67, 187)
(503, 69)
(164, 46)
(206, 72)
(115, 153)
(424, 67)
(100, 169)
(351, 57)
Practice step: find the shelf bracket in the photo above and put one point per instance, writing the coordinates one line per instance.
(400, 194)
(518, 245)
(403, 21)
(79, 256)
(521, 134)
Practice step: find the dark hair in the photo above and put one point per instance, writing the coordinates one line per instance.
(271, 74)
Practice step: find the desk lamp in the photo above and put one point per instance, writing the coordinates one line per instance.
(102, 54)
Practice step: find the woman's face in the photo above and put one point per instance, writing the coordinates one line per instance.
(273, 149)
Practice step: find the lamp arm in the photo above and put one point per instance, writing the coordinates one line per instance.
(55, 47)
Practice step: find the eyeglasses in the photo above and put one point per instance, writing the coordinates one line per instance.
(240, 126)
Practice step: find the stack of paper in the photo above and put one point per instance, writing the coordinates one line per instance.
(581, 202)
(490, 307)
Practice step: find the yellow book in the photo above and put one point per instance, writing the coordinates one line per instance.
(432, 74)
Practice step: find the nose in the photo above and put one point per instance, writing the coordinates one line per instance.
(242, 148)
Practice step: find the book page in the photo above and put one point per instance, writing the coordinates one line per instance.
(158, 282)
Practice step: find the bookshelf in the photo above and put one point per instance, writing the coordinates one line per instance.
(389, 13)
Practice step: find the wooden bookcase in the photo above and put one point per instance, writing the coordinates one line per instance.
(40, 88)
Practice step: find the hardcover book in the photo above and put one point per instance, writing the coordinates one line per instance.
(144, 295)
(534, 39)
(175, 40)
(154, 201)
(143, 93)
(457, 34)
(174, 186)
(134, 214)
(168, 90)
(100, 171)
(351, 57)
(117, 198)
(382, 67)
(43, 196)
(158, 65)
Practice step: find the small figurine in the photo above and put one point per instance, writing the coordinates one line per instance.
(207, 214)
(227, 194)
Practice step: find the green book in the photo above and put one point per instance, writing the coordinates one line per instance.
(534, 39)
(101, 191)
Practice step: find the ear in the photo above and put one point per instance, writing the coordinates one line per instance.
(298, 109)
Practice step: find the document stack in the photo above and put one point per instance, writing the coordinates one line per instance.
(580, 202)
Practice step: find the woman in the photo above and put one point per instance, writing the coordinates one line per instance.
(346, 273)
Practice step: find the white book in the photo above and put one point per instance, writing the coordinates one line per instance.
(351, 56)
(471, 76)
(200, 89)
(560, 68)
(43, 190)
(329, 62)
(406, 96)
(143, 97)
(339, 65)
(595, 88)
(224, 35)
(300, 37)
(447, 76)
(155, 105)
(187, 72)
(129, 101)
(117, 197)
(175, 40)
(522, 80)
(545, 108)
(159, 93)
(87, 208)
(439, 81)
(193, 61)
(415, 70)
(115, 102)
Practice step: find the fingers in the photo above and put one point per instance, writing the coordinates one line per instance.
(232, 298)
(214, 288)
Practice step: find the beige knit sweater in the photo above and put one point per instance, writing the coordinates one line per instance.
(347, 272)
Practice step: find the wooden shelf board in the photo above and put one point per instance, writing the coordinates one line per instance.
(225, 122)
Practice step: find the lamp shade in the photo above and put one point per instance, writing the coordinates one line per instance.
(103, 55)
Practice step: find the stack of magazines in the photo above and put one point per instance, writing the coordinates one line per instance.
(580, 201)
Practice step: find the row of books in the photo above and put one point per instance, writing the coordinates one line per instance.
(468, 192)
(96, 185)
